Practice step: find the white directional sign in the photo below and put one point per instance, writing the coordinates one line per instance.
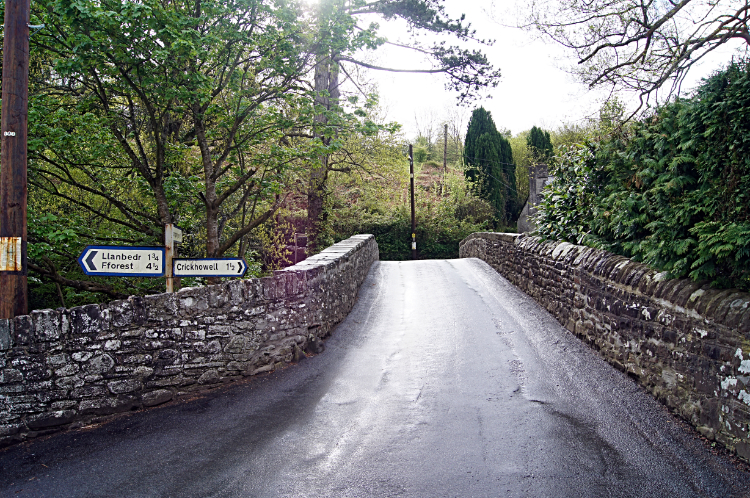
(122, 261)
(210, 267)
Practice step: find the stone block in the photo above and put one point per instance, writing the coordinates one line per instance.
(156, 397)
(705, 299)
(6, 334)
(124, 386)
(99, 364)
(209, 377)
(50, 419)
(33, 367)
(22, 330)
(744, 324)
(47, 325)
(58, 360)
(176, 380)
(162, 306)
(219, 331)
(120, 313)
(71, 382)
(269, 288)
(142, 372)
(237, 344)
(722, 305)
(236, 366)
(87, 320)
(737, 309)
(11, 429)
(88, 392)
(10, 376)
(112, 345)
(167, 356)
(218, 296)
(64, 405)
(743, 450)
(212, 347)
(168, 370)
(106, 406)
(67, 370)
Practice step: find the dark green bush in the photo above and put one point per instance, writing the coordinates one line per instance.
(671, 190)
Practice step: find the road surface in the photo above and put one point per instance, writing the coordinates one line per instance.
(444, 380)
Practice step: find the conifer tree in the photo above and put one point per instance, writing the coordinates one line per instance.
(539, 144)
(489, 165)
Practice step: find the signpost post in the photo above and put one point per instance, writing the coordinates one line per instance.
(172, 235)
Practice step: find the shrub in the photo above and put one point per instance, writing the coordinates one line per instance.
(670, 190)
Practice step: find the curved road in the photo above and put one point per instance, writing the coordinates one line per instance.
(444, 380)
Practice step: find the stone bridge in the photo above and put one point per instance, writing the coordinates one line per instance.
(67, 368)
(685, 343)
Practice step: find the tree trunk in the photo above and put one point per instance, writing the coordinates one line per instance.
(327, 94)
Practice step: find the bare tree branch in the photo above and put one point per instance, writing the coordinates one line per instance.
(642, 46)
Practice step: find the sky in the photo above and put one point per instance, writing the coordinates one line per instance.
(534, 90)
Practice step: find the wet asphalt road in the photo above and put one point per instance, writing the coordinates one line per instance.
(443, 381)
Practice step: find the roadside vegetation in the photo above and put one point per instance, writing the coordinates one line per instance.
(446, 210)
(229, 119)
(670, 189)
(224, 117)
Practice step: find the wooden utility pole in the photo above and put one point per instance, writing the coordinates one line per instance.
(13, 180)
(445, 158)
(413, 216)
(445, 150)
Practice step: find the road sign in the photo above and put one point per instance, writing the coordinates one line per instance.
(209, 267)
(176, 234)
(118, 261)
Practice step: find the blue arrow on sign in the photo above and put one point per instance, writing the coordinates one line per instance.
(90, 261)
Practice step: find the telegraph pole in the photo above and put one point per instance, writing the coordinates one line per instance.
(13, 180)
(413, 218)
(445, 158)
(445, 151)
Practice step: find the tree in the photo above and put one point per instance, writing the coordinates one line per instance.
(641, 45)
(431, 134)
(339, 38)
(522, 158)
(147, 113)
(455, 118)
(489, 165)
(539, 144)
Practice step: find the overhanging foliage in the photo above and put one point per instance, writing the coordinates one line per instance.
(671, 190)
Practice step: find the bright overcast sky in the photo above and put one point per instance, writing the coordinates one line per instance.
(534, 88)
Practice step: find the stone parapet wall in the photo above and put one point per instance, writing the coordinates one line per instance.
(68, 367)
(688, 344)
